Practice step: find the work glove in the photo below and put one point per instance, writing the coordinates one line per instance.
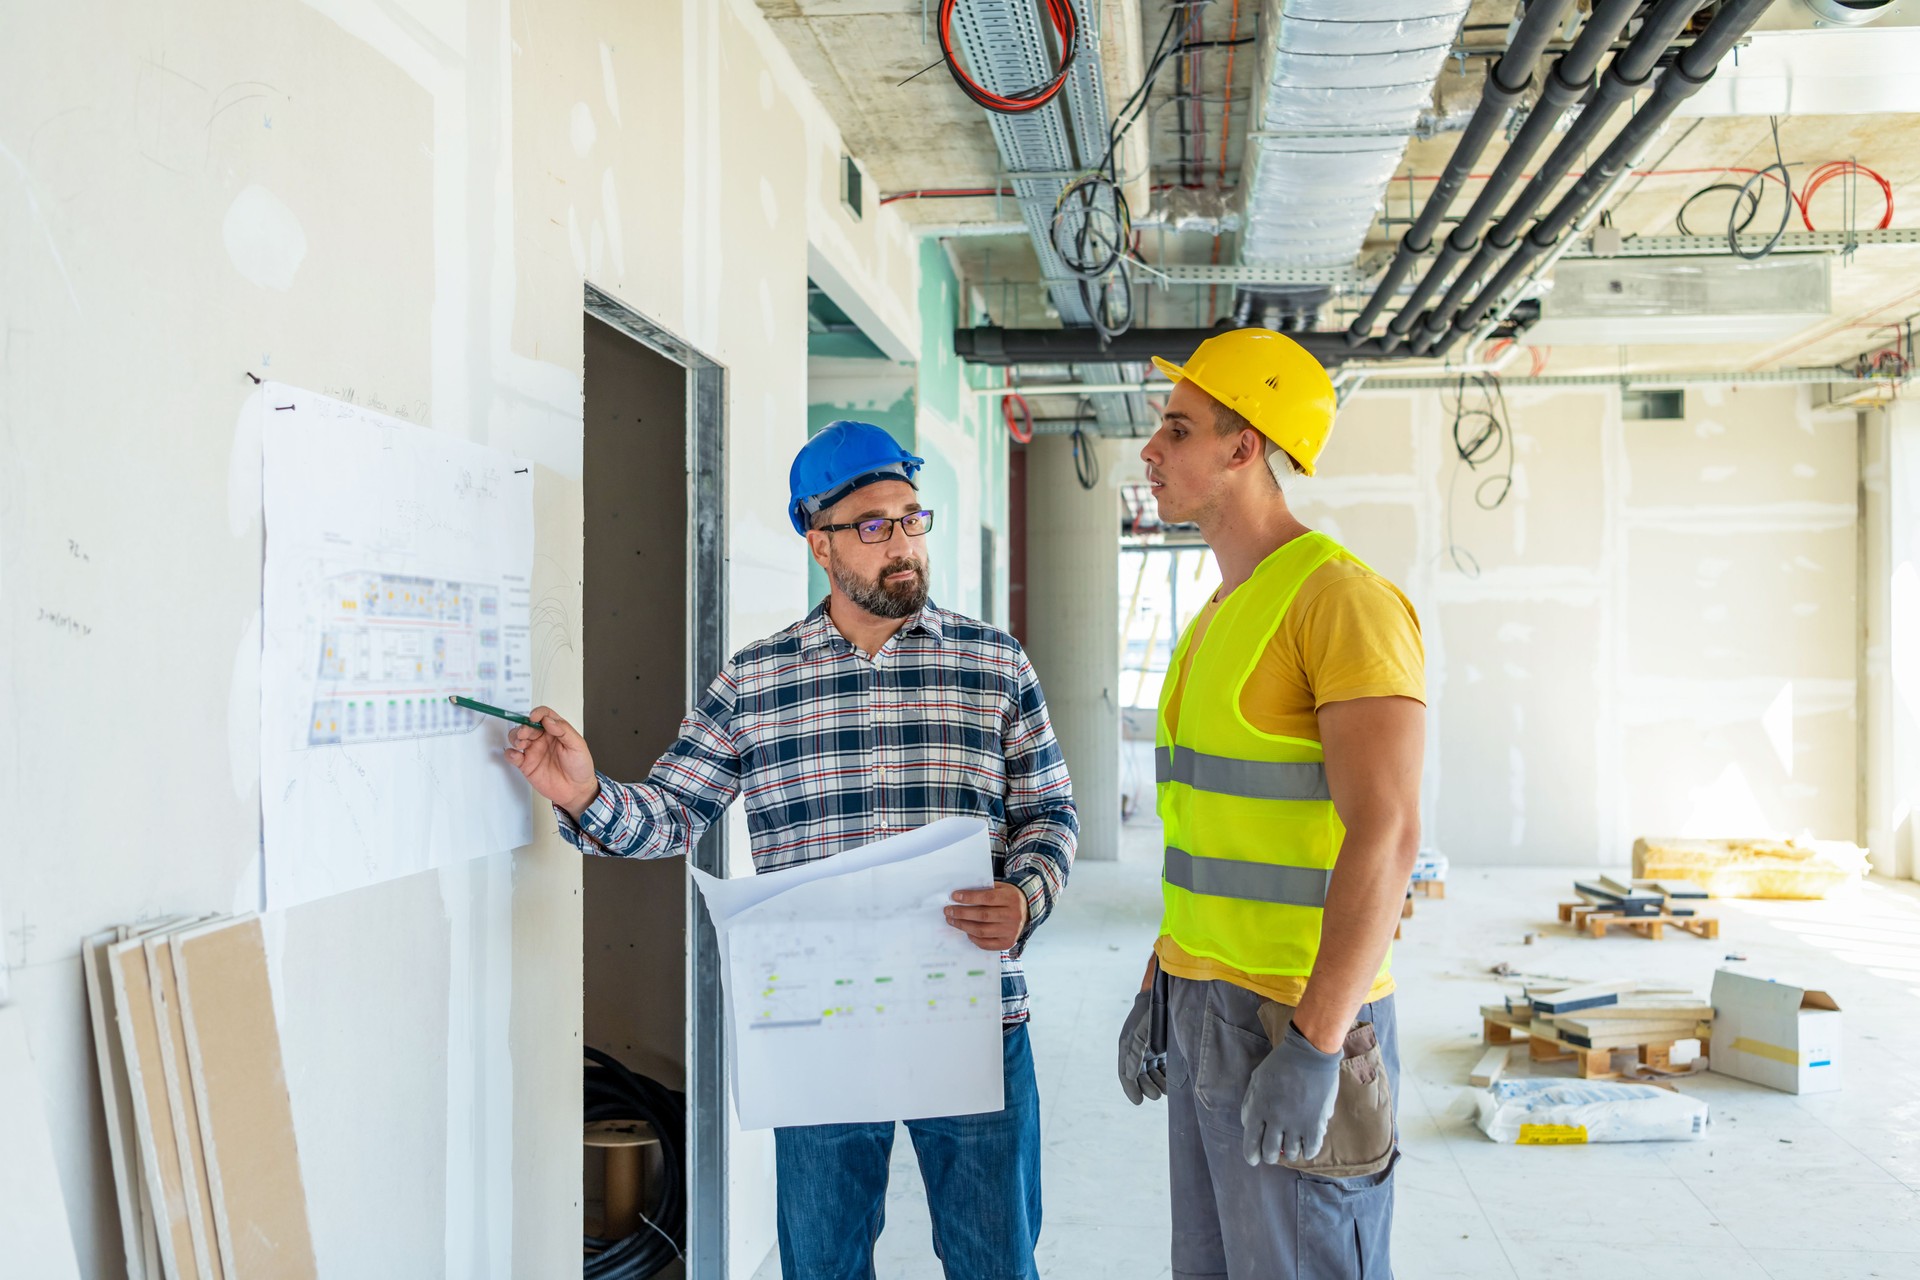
(1143, 1066)
(1289, 1101)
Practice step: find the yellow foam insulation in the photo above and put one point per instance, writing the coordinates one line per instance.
(1793, 868)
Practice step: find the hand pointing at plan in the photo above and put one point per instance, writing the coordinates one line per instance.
(554, 758)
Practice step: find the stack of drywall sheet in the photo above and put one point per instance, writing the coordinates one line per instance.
(199, 1126)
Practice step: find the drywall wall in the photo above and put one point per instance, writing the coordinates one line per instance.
(393, 201)
(1889, 729)
(1653, 633)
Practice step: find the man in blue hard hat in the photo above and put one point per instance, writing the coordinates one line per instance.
(875, 714)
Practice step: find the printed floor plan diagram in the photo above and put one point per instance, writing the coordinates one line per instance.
(393, 648)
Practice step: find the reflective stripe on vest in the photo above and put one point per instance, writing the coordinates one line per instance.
(1254, 779)
(1248, 881)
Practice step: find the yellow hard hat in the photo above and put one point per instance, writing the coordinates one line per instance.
(1271, 381)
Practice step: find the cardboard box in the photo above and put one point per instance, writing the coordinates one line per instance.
(1776, 1034)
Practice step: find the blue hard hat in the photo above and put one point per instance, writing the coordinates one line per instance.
(843, 457)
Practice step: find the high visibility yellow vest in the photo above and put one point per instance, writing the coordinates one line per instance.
(1251, 832)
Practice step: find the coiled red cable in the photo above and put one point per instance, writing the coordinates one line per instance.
(1838, 168)
(1021, 434)
(1066, 26)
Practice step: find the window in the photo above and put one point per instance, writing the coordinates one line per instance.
(852, 190)
(1639, 405)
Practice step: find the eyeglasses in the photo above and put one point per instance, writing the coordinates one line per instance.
(880, 528)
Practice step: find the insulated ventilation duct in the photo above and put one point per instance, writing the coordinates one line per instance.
(1341, 90)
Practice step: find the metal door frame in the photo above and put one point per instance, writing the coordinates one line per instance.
(706, 1043)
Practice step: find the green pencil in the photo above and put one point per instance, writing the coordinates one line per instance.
(486, 710)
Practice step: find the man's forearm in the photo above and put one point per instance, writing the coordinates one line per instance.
(1364, 899)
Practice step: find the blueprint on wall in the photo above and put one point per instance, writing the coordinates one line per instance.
(849, 997)
(397, 574)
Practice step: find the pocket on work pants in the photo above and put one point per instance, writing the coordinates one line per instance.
(1345, 1225)
(1359, 1139)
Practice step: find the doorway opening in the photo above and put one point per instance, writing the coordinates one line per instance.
(653, 622)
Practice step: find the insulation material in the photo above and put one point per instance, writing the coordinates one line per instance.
(1340, 99)
(33, 1213)
(258, 1200)
(1793, 868)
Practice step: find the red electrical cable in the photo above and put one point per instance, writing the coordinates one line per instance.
(1837, 168)
(944, 193)
(1066, 26)
(1020, 435)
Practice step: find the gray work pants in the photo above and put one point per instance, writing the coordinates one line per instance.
(1232, 1221)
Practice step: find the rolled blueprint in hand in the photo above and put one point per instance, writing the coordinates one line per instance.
(849, 997)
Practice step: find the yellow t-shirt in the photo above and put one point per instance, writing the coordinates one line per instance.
(1348, 634)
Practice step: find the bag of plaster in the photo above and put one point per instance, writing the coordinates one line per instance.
(1556, 1112)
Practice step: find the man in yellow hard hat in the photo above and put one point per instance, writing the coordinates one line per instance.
(1288, 757)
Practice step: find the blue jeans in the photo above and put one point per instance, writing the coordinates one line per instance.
(983, 1186)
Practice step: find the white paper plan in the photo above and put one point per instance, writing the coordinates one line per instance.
(849, 997)
(397, 573)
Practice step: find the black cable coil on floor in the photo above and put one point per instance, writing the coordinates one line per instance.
(615, 1093)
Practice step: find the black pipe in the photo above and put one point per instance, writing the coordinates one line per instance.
(1507, 80)
(1693, 69)
(1626, 75)
(1571, 79)
(992, 345)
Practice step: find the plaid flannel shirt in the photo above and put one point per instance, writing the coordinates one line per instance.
(831, 750)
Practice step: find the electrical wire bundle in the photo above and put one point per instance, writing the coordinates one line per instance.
(1086, 455)
(1066, 28)
(1779, 168)
(1746, 198)
(615, 1093)
(1481, 438)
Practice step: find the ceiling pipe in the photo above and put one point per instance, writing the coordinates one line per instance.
(1571, 80)
(991, 345)
(1627, 74)
(1684, 78)
(1508, 79)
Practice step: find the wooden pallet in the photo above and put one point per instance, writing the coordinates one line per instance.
(1545, 1045)
(1430, 888)
(1595, 923)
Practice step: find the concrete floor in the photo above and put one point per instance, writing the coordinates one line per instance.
(1823, 1187)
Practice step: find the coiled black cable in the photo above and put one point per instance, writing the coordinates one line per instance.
(1086, 460)
(614, 1093)
(1779, 167)
(1738, 221)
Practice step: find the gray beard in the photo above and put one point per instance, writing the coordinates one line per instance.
(877, 598)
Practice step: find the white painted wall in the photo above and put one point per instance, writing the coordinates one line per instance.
(395, 200)
(1659, 637)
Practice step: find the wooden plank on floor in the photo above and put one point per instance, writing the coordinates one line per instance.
(153, 1115)
(33, 1212)
(1492, 1063)
(116, 1101)
(260, 1202)
(1584, 996)
(180, 1102)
